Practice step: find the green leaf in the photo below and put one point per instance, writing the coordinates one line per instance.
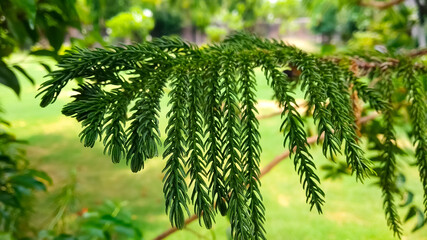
(400, 180)
(113, 220)
(56, 36)
(21, 70)
(41, 175)
(29, 6)
(327, 49)
(94, 232)
(4, 122)
(6, 159)
(420, 220)
(18, 30)
(48, 69)
(412, 211)
(28, 181)
(128, 231)
(123, 227)
(8, 78)
(408, 198)
(44, 53)
(9, 199)
(6, 235)
(226, 134)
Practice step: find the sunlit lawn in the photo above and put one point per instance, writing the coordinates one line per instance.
(352, 210)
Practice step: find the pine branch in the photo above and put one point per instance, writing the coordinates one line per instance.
(295, 136)
(267, 169)
(213, 144)
(343, 119)
(89, 107)
(388, 166)
(339, 98)
(241, 224)
(143, 134)
(317, 93)
(196, 162)
(250, 147)
(114, 127)
(417, 111)
(212, 118)
(368, 95)
(175, 187)
(83, 63)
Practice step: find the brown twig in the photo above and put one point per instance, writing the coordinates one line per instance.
(369, 117)
(270, 115)
(264, 171)
(301, 106)
(380, 5)
(360, 66)
(357, 110)
(418, 52)
(172, 230)
(284, 155)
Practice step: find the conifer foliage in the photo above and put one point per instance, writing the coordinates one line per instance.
(212, 134)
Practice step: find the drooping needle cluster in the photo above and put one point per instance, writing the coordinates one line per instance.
(212, 134)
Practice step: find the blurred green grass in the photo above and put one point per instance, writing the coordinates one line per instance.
(352, 210)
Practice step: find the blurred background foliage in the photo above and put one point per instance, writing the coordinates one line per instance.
(92, 22)
(34, 33)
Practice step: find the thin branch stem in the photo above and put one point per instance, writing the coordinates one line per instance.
(381, 5)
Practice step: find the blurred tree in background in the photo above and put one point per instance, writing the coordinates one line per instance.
(26, 23)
